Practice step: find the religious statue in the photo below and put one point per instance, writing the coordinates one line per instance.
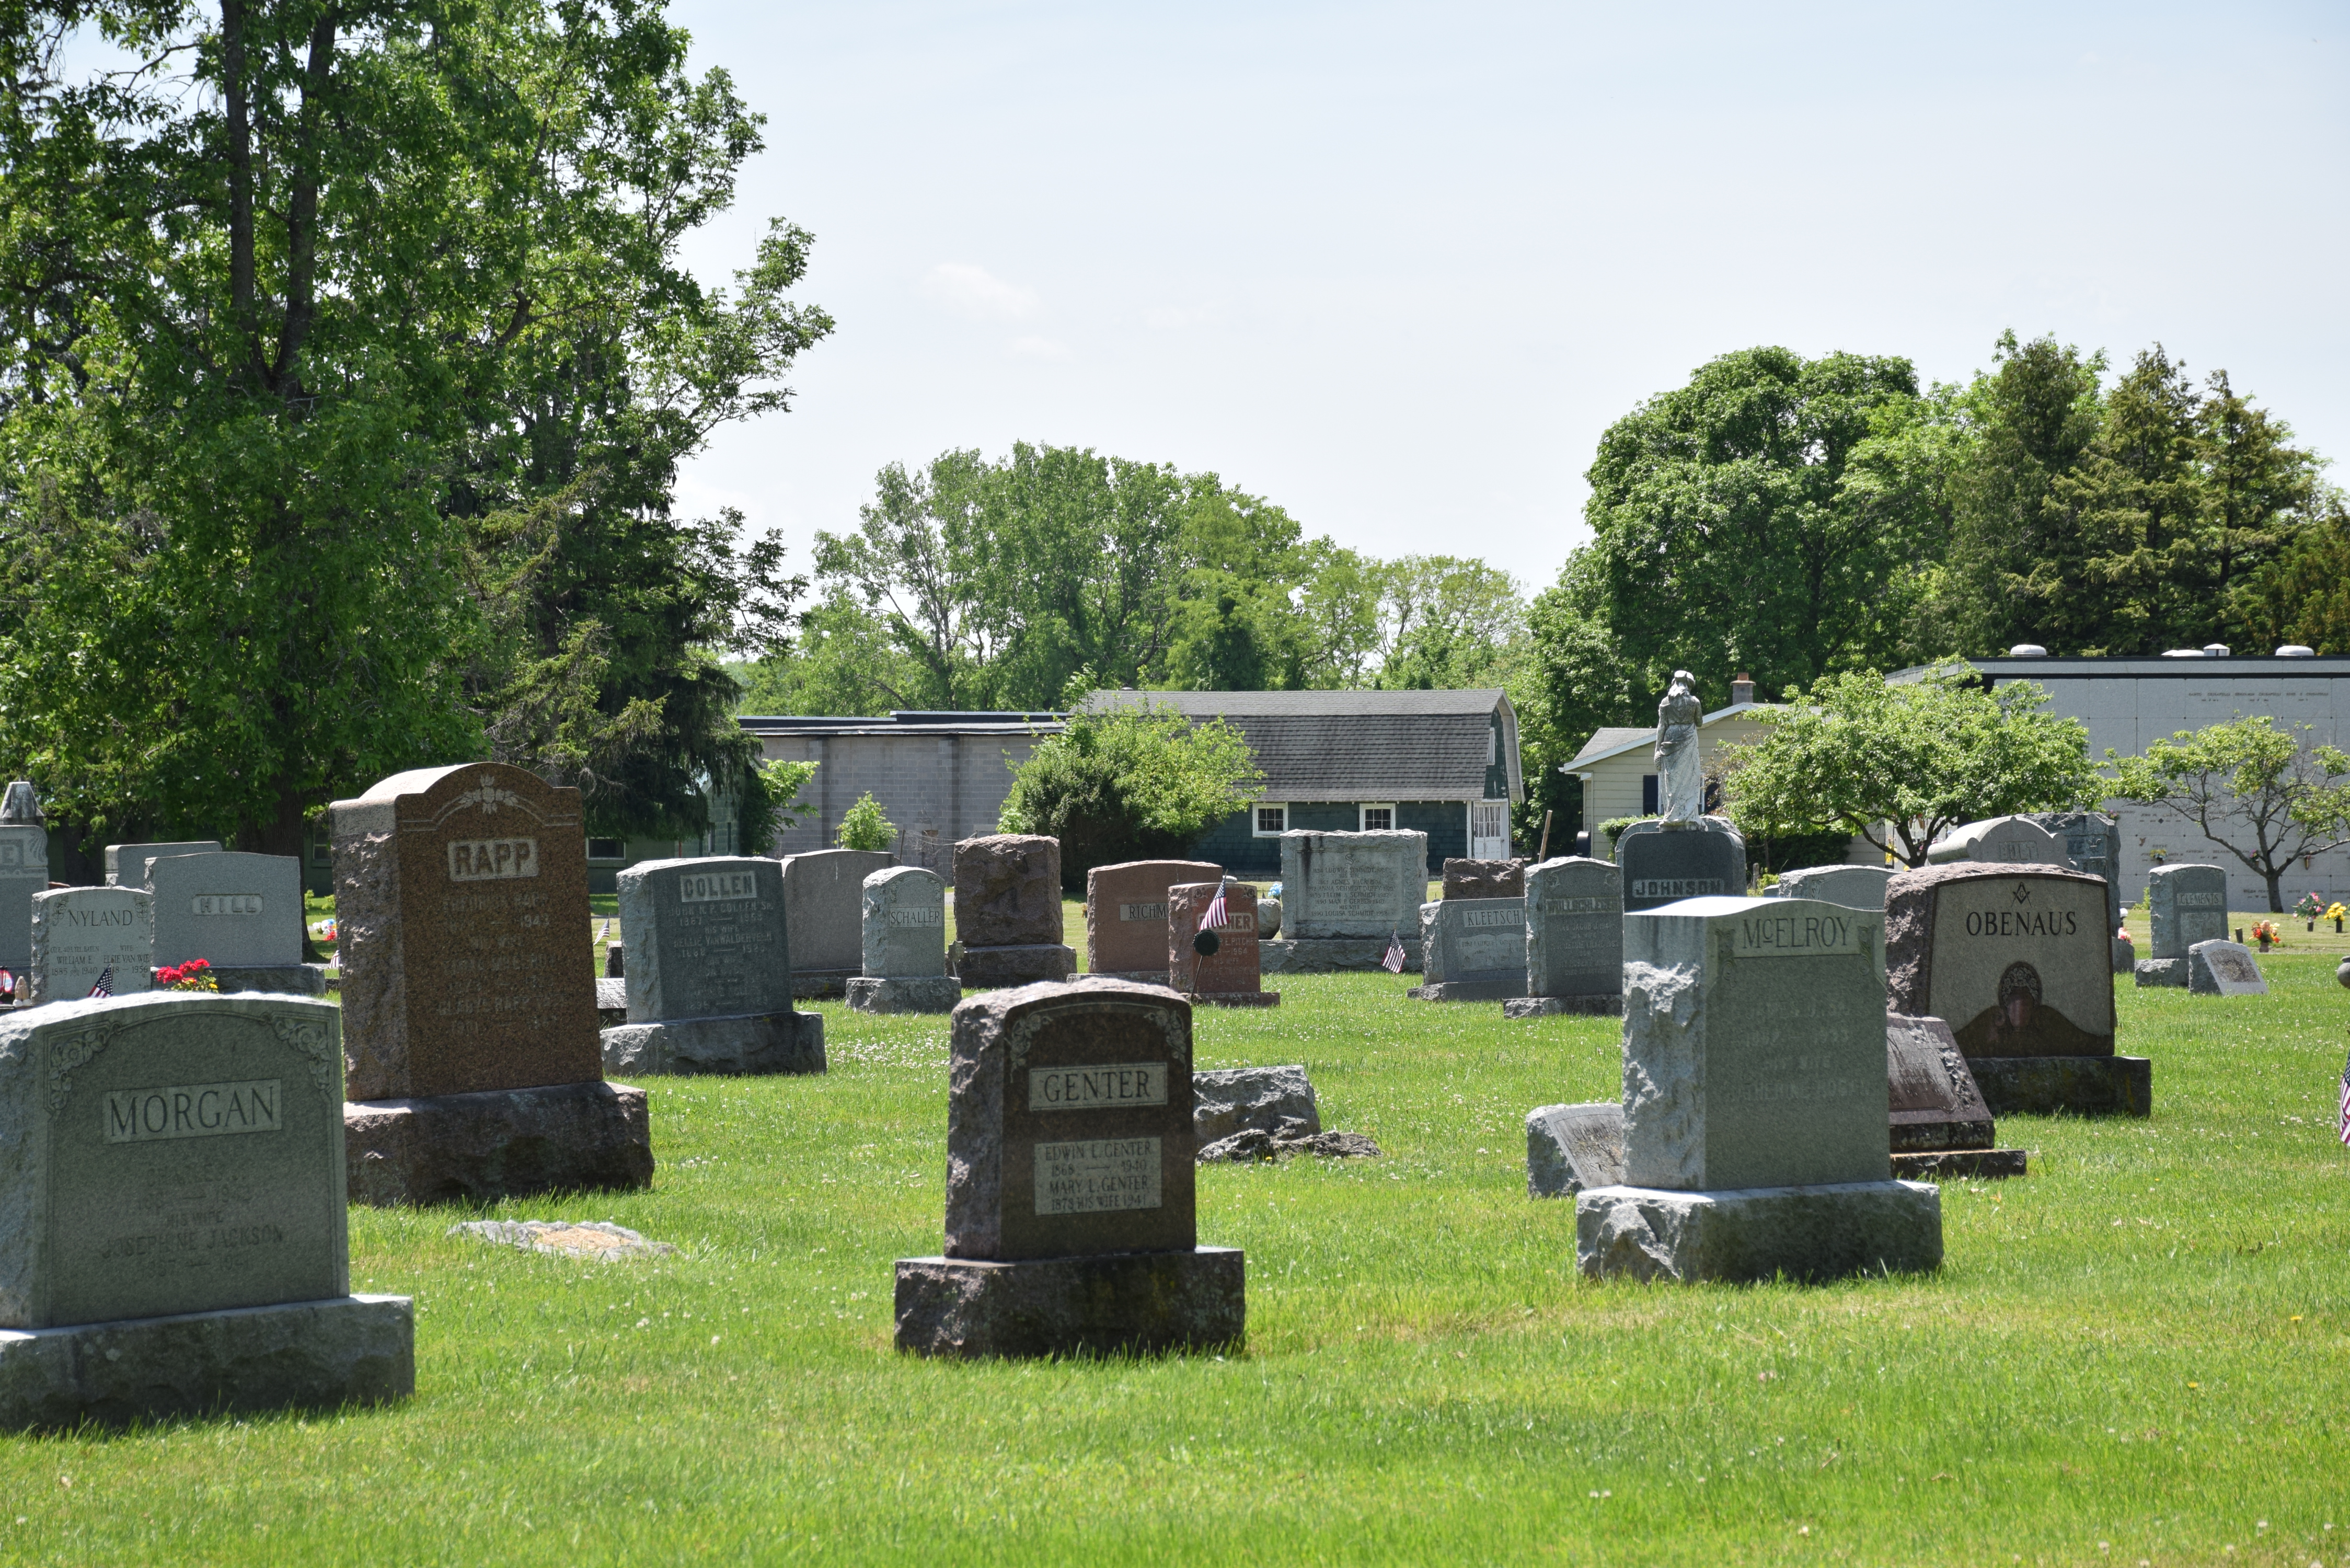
(1681, 777)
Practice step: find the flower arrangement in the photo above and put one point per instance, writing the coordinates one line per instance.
(2124, 937)
(2310, 908)
(323, 930)
(196, 974)
(2264, 932)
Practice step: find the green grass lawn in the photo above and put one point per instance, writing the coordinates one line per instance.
(2140, 1352)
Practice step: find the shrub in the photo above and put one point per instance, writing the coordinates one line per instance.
(862, 825)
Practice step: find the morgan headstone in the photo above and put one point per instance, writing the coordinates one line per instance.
(709, 976)
(905, 945)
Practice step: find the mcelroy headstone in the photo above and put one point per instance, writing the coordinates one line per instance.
(469, 1003)
(1344, 895)
(905, 945)
(2218, 968)
(1126, 915)
(240, 913)
(1855, 886)
(1471, 949)
(126, 864)
(83, 935)
(1071, 1221)
(1232, 975)
(1665, 863)
(709, 972)
(175, 1241)
(1575, 940)
(1754, 1101)
(823, 908)
(1007, 909)
(2187, 904)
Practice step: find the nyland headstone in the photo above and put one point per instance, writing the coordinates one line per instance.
(824, 892)
(240, 913)
(1126, 915)
(1007, 911)
(1344, 895)
(708, 974)
(1233, 974)
(905, 945)
(84, 935)
(1471, 949)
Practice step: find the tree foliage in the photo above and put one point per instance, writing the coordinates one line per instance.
(863, 827)
(2259, 791)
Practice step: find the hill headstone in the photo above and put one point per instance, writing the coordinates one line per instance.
(905, 946)
(1575, 940)
(81, 935)
(1007, 910)
(240, 913)
(708, 974)
(1126, 915)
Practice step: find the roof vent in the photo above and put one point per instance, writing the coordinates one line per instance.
(2183, 653)
(1742, 687)
(2215, 651)
(2027, 650)
(2295, 650)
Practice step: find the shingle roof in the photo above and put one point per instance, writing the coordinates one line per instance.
(1233, 704)
(1605, 741)
(1353, 745)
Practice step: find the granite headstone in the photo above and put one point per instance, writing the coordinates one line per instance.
(1664, 864)
(709, 976)
(2186, 905)
(241, 913)
(1570, 1148)
(2218, 968)
(2003, 841)
(1855, 886)
(81, 935)
(1473, 949)
(1575, 940)
(905, 945)
(1344, 895)
(1940, 1126)
(824, 910)
(126, 864)
(1232, 975)
(1126, 915)
(23, 871)
(1007, 910)
(1484, 878)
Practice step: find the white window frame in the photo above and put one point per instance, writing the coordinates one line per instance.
(1492, 747)
(1256, 826)
(1363, 815)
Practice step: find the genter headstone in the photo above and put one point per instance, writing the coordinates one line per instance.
(2187, 905)
(709, 976)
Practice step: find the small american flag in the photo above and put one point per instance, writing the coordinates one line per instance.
(2345, 1102)
(1212, 918)
(104, 986)
(1393, 963)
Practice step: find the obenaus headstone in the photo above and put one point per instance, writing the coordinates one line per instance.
(709, 973)
(1754, 1101)
(1471, 949)
(2187, 905)
(126, 864)
(23, 871)
(1126, 915)
(174, 1242)
(241, 913)
(1854, 886)
(1940, 1126)
(2017, 961)
(1232, 975)
(1007, 907)
(1574, 939)
(1344, 895)
(1071, 1221)
(469, 1003)
(84, 935)
(2224, 969)
(824, 898)
(905, 945)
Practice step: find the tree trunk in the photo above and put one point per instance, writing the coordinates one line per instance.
(2276, 891)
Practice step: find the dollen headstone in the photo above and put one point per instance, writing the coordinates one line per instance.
(1484, 878)
(1344, 895)
(83, 935)
(1575, 940)
(1855, 886)
(1126, 915)
(905, 945)
(1754, 1101)
(1233, 975)
(709, 973)
(1665, 863)
(241, 913)
(1471, 949)
(1071, 1221)
(174, 1242)
(824, 903)
(23, 871)
(1940, 1126)
(469, 1002)
(1007, 910)
(2223, 969)
(2003, 841)
(126, 864)
(2186, 905)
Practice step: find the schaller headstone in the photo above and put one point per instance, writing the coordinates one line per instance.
(468, 1001)
(905, 927)
(2223, 969)
(1471, 949)
(1574, 940)
(1664, 863)
(83, 935)
(174, 1240)
(1854, 886)
(2016, 960)
(2187, 904)
(823, 908)
(709, 976)
(1344, 895)
(242, 914)
(126, 864)
(1940, 1125)
(1007, 907)
(1233, 975)
(1754, 1101)
(1126, 915)
(1070, 1223)
(1484, 878)
(2001, 841)
(23, 871)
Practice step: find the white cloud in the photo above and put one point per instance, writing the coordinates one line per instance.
(977, 293)
(1040, 347)
(1174, 319)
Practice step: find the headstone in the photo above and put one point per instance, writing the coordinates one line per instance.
(1126, 915)
(2093, 841)
(1007, 910)
(2187, 904)
(2001, 840)
(21, 805)
(1940, 1125)
(23, 871)
(1070, 1223)
(1484, 878)
(1473, 949)
(1575, 940)
(905, 945)
(709, 983)
(1344, 895)
(1854, 886)
(175, 1241)
(468, 1001)
(1231, 976)
(126, 864)
(1268, 918)
(824, 910)
(240, 913)
(1571, 1148)
(1754, 1101)
(1276, 1100)
(2223, 969)
(2016, 960)
(1668, 863)
(81, 935)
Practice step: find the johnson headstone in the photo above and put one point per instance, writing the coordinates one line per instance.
(1672, 861)
(905, 945)
(709, 976)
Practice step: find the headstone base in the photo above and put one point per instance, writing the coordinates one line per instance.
(1131, 976)
(1571, 1149)
(502, 1143)
(1977, 1164)
(1920, 1135)
(754, 1043)
(991, 969)
(1104, 1305)
(821, 984)
(2085, 1085)
(349, 1350)
(2161, 971)
(1610, 1005)
(1498, 989)
(1331, 955)
(282, 980)
(2125, 956)
(1759, 1232)
(905, 994)
(1236, 998)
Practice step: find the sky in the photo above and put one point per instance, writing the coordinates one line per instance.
(1397, 267)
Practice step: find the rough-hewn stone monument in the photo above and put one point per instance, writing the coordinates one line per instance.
(824, 910)
(2186, 905)
(709, 972)
(1007, 910)
(1484, 878)
(81, 935)
(1126, 915)
(1343, 895)
(1575, 940)
(1233, 975)
(905, 945)
(241, 913)
(1471, 949)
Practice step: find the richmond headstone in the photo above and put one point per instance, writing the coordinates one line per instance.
(23, 871)
(1471, 949)
(905, 945)
(1574, 939)
(1126, 915)
(1071, 1221)
(175, 1241)
(709, 976)
(823, 908)
(2003, 841)
(1854, 886)
(1754, 1101)
(2187, 904)
(240, 913)
(1666, 863)
(126, 864)
(469, 1002)
(83, 935)
(1007, 910)
(1344, 895)
(2218, 968)
(1233, 975)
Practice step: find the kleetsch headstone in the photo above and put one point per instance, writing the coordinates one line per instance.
(1703, 859)
(126, 864)
(2224, 969)
(1126, 914)
(1484, 878)
(1473, 949)
(823, 906)
(709, 976)
(81, 935)
(1855, 886)
(1232, 975)
(232, 909)
(2001, 840)
(1007, 911)
(1575, 933)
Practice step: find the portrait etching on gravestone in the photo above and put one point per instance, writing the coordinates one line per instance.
(1680, 777)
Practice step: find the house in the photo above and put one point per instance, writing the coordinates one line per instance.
(1618, 770)
(1441, 763)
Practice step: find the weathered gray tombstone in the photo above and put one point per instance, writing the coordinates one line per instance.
(1344, 895)
(470, 1032)
(1754, 1101)
(1575, 940)
(84, 935)
(2016, 960)
(1126, 915)
(2001, 841)
(1854, 886)
(905, 945)
(242, 914)
(709, 976)
(2187, 905)
(1007, 904)
(1071, 1222)
(1664, 863)
(175, 1241)
(1573, 1149)
(2223, 969)
(1484, 878)
(1471, 949)
(1940, 1126)
(2094, 840)
(824, 910)
(23, 871)
(126, 864)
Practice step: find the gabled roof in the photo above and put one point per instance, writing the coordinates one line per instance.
(1616, 741)
(1358, 746)
(1329, 704)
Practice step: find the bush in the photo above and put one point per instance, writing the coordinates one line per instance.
(771, 798)
(862, 825)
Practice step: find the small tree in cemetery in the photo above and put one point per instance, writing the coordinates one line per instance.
(2256, 790)
(862, 825)
(771, 802)
(1899, 765)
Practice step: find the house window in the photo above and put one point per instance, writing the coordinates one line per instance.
(606, 849)
(1648, 794)
(1492, 747)
(1272, 820)
(1378, 818)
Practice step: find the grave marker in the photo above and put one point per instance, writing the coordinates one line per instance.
(905, 945)
(2187, 904)
(708, 974)
(23, 871)
(1664, 863)
(1126, 915)
(82, 934)
(1575, 940)
(1008, 904)
(1344, 895)
(1473, 949)
(126, 864)
(1484, 878)
(1231, 976)
(2218, 968)
(240, 913)
(823, 908)
(1855, 886)
(2001, 841)
(1940, 1123)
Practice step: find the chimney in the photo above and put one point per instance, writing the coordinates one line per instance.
(1742, 687)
